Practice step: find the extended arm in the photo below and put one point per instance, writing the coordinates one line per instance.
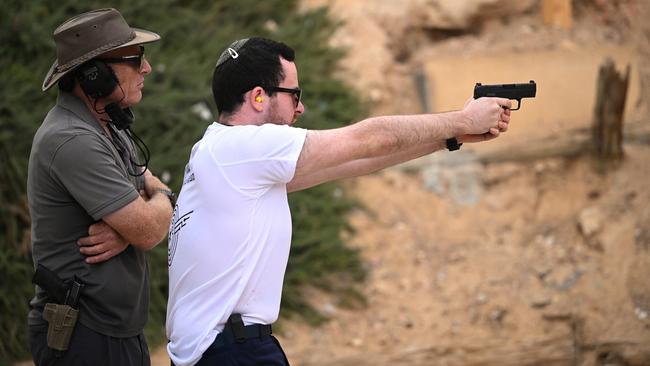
(361, 167)
(378, 142)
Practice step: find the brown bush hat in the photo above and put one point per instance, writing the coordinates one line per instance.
(89, 35)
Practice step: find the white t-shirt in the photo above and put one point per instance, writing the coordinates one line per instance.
(230, 235)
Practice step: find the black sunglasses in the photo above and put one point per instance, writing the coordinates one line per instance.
(295, 91)
(136, 60)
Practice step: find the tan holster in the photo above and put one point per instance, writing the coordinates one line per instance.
(61, 319)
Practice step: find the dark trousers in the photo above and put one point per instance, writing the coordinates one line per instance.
(89, 348)
(265, 350)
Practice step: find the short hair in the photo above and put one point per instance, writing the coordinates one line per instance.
(67, 82)
(244, 65)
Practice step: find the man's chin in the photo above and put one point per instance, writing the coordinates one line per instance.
(131, 101)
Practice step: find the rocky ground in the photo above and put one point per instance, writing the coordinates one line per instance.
(550, 266)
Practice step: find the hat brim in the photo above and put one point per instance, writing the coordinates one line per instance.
(141, 37)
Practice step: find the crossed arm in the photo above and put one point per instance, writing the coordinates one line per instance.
(142, 223)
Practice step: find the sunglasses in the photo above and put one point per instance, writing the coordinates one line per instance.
(295, 91)
(136, 60)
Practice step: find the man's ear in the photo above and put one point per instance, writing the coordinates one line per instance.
(257, 98)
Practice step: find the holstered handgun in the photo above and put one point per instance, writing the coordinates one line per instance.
(61, 316)
(61, 321)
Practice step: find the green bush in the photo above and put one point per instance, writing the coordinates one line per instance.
(194, 32)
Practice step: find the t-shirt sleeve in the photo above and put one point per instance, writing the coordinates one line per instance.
(258, 156)
(86, 168)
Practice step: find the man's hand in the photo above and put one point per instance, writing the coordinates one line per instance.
(484, 114)
(493, 132)
(101, 244)
(152, 184)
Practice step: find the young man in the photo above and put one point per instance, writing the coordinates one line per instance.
(94, 210)
(231, 230)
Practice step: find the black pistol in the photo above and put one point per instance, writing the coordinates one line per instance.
(510, 91)
(61, 315)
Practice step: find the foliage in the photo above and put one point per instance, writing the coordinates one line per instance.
(194, 32)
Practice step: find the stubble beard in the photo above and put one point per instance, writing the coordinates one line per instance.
(275, 117)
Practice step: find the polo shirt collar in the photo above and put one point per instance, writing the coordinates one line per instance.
(75, 105)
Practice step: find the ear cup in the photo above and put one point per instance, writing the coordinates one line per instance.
(96, 79)
(121, 118)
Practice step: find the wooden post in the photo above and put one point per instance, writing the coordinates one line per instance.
(607, 127)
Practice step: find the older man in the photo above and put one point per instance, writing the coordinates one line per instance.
(231, 232)
(95, 209)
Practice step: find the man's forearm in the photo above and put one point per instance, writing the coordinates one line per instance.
(374, 137)
(161, 211)
(159, 208)
(364, 166)
(398, 134)
(142, 223)
(370, 165)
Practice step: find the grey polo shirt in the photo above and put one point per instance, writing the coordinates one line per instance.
(76, 176)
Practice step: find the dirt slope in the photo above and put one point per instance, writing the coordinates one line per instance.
(544, 262)
(553, 257)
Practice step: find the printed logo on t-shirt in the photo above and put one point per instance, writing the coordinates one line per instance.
(178, 222)
(189, 175)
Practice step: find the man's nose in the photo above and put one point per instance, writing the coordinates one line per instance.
(145, 68)
(301, 108)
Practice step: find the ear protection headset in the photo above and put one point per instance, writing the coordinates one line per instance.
(98, 81)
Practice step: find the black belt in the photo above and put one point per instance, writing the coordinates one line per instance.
(236, 332)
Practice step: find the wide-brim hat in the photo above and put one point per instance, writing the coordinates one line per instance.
(89, 35)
